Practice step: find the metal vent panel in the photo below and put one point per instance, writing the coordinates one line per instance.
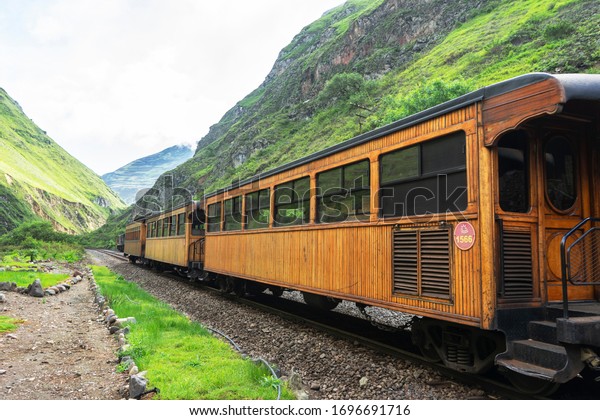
(517, 264)
(422, 262)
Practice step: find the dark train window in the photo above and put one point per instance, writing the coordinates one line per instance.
(344, 193)
(561, 188)
(159, 228)
(198, 219)
(166, 227)
(181, 224)
(428, 178)
(173, 226)
(214, 217)
(258, 210)
(513, 172)
(292, 202)
(233, 213)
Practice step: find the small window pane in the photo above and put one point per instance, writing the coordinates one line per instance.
(214, 217)
(356, 175)
(513, 173)
(284, 193)
(181, 225)
(302, 187)
(400, 165)
(330, 182)
(560, 173)
(443, 154)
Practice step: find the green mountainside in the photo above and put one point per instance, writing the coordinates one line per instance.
(370, 62)
(141, 174)
(40, 179)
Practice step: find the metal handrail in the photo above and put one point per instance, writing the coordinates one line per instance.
(565, 264)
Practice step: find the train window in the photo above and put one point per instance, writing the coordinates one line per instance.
(258, 209)
(292, 202)
(428, 178)
(165, 232)
(513, 172)
(233, 214)
(181, 224)
(173, 226)
(561, 189)
(152, 229)
(159, 228)
(343, 193)
(198, 219)
(214, 217)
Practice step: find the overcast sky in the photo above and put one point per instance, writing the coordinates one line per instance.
(114, 80)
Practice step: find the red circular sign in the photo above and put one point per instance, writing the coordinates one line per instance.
(464, 235)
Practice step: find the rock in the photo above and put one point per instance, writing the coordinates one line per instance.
(363, 381)
(14, 337)
(134, 370)
(50, 292)
(302, 395)
(35, 289)
(2, 371)
(315, 386)
(66, 285)
(6, 286)
(61, 287)
(113, 329)
(137, 386)
(2, 298)
(77, 273)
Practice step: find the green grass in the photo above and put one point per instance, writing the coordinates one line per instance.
(9, 324)
(24, 278)
(182, 358)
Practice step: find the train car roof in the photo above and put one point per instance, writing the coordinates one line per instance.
(574, 86)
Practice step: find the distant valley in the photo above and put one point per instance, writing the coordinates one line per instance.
(141, 174)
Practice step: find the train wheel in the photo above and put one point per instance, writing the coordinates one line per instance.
(530, 385)
(322, 302)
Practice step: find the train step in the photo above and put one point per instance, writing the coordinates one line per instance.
(545, 331)
(546, 355)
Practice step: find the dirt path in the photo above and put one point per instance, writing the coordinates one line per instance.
(62, 351)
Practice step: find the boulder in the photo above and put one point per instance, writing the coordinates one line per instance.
(35, 289)
(137, 386)
(2, 298)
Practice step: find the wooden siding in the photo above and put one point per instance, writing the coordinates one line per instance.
(350, 262)
(168, 250)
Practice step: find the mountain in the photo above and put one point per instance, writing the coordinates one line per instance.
(38, 178)
(369, 62)
(141, 174)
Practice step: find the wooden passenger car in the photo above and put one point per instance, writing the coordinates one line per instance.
(135, 236)
(455, 214)
(175, 238)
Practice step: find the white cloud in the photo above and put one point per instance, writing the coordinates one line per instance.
(115, 80)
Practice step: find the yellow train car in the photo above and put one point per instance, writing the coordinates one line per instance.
(479, 216)
(135, 238)
(176, 239)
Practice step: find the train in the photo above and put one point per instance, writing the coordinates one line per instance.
(479, 216)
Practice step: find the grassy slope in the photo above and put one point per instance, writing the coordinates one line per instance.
(169, 345)
(37, 170)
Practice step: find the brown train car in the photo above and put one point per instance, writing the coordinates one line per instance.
(135, 238)
(176, 239)
(455, 214)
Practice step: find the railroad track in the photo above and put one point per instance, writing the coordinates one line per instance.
(396, 343)
(114, 254)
